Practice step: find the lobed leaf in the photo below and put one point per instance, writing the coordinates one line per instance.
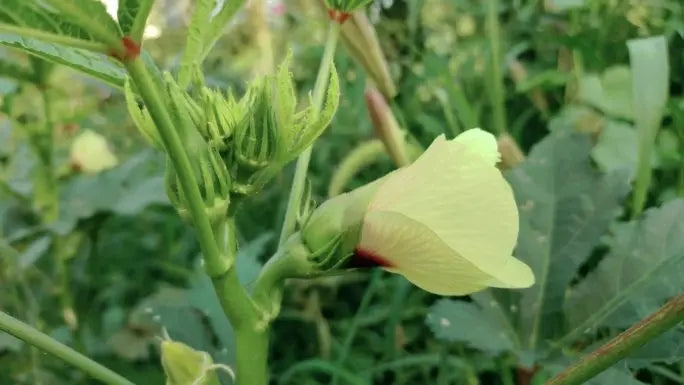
(565, 208)
(644, 268)
(96, 65)
(132, 15)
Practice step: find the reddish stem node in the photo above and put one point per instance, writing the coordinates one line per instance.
(338, 16)
(131, 50)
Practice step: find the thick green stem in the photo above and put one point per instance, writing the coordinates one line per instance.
(252, 356)
(43, 342)
(215, 263)
(234, 299)
(496, 92)
(54, 38)
(302, 167)
(625, 343)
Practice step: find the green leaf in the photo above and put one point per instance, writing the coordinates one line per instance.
(667, 348)
(92, 16)
(644, 268)
(33, 252)
(650, 85)
(565, 207)
(466, 322)
(199, 24)
(312, 124)
(96, 65)
(126, 190)
(132, 15)
(615, 148)
(217, 25)
(27, 14)
(610, 92)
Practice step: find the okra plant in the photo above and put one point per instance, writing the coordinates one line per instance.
(446, 219)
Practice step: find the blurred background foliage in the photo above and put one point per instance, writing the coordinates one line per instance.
(115, 267)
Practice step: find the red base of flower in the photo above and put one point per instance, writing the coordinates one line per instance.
(338, 16)
(131, 49)
(364, 258)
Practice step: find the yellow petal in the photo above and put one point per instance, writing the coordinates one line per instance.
(481, 142)
(412, 250)
(90, 153)
(461, 198)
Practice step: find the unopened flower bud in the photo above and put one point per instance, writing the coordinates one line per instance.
(211, 173)
(184, 365)
(257, 133)
(386, 127)
(361, 41)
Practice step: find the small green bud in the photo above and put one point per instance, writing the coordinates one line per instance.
(256, 135)
(185, 366)
(211, 173)
(297, 131)
(222, 116)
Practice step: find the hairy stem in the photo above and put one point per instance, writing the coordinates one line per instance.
(622, 345)
(43, 342)
(215, 263)
(302, 167)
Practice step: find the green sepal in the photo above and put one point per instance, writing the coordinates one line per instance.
(309, 124)
(141, 117)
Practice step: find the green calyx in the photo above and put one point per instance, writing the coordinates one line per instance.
(210, 171)
(346, 5)
(332, 231)
(186, 366)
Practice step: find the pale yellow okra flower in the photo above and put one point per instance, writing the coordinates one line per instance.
(448, 222)
(90, 153)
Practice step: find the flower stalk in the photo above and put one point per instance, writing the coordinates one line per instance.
(302, 167)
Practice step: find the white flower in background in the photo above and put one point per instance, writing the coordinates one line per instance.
(90, 153)
(448, 222)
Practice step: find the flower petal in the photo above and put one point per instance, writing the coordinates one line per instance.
(412, 250)
(460, 197)
(481, 142)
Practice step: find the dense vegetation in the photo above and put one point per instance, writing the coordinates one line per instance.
(586, 98)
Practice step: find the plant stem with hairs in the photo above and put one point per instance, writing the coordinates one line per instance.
(668, 316)
(47, 344)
